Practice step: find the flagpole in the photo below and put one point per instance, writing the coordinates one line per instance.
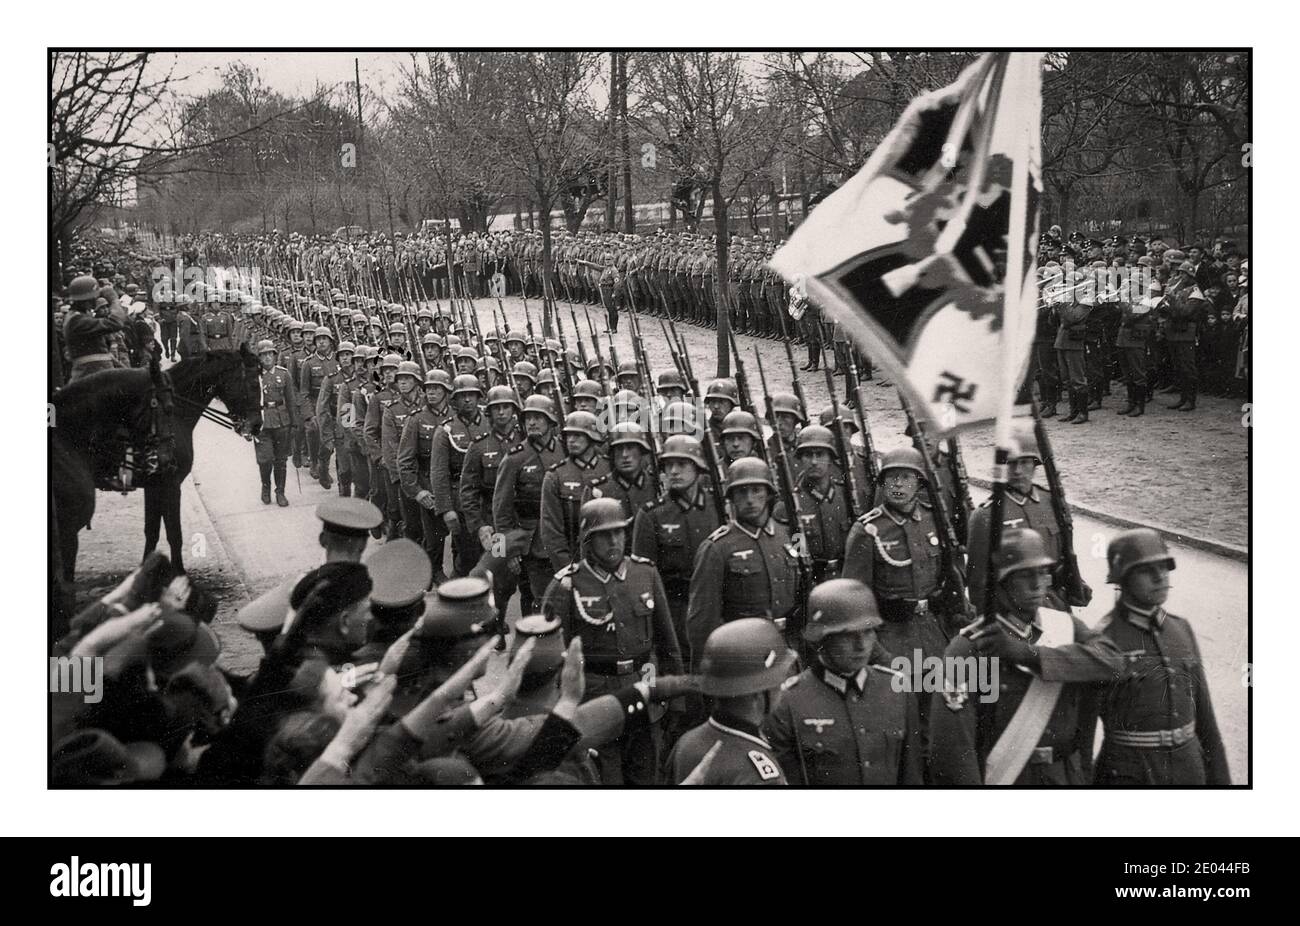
(1026, 100)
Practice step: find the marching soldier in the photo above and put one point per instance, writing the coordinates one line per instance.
(741, 436)
(350, 413)
(845, 721)
(629, 481)
(1032, 732)
(414, 462)
(517, 499)
(720, 398)
(280, 412)
(478, 480)
(1025, 504)
(403, 508)
(566, 484)
(331, 432)
(385, 394)
(748, 566)
(312, 373)
(219, 326)
(669, 530)
(743, 664)
(826, 519)
(294, 357)
(451, 443)
(617, 606)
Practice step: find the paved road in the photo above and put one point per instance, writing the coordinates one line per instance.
(269, 544)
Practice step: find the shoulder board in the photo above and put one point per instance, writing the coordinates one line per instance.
(599, 480)
(554, 466)
(567, 571)
(280, 368)
(767, 769)
(888, 671)
(515, 449)
(790, 682)
(650, 505)
(872, 514)
(721, 532)
(640, 559)
(1041, 488)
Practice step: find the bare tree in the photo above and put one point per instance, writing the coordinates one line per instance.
(718, 129)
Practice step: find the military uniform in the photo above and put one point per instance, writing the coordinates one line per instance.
(350, 413)
(392, 433)
(336, 383)
(451, 444)
(85, 337)
(377, 401)
(623, 620)
(833, 731)
(744, 758)
(220, 328)
(279, 417)
(899, 558)
(517, 505)
(312, 373)
(964, 729)
(1153, 700)
(633, 494)
(667, 532)
(1033, 511)
(825, 524)
(741, 572)
(563, 491)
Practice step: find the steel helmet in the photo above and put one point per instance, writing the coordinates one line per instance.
(545, 378)
(628, 432)
(525, 369)
(685, 447)
(587, 388)
(601, 514)
(743, 657)
(541, 405)
(295, 325)
(390, 360)
(267, 347)
(502, 395)
(83, 288)
(671, 379)
(425, 312)
(840, 605)
(815, 437)
(826, 418)
(347, 347)
(514, 337)
(628, 368)
(438, 378)
(903, 458)
(396, 328)
(626, 398)
(1024, 445)
(359, 317)
(409, 368)
(1020, 548)
(431, 338)
(467, 353)
(466, 382)
(741, 422)
(1133, 548)
(364, 352)
(583, 423)
(323, 332)
(749, 471)
(788, 403)
(723, 389)
(679, 417)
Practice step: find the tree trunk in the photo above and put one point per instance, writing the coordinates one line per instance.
(721, 290)
(547, 296)
(629, 213)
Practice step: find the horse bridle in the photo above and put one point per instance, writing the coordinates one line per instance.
(221, 419)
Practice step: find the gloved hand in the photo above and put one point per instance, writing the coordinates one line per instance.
(425, 499)
(993, 640)
(452, 520)
(485, 537)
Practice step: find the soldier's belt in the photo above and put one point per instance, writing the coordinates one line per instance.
(900, 609)
(1153, 739)
(614, 665)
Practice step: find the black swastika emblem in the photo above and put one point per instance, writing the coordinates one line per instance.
(952, 392)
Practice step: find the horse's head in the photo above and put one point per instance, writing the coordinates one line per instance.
(239, 388)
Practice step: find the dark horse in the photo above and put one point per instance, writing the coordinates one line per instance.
(90, 410)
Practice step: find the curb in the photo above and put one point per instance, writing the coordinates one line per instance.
(1217, 547)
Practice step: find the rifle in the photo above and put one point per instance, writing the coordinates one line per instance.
(794, 378)
(957, 472)
(952, 592)
(577, 336)
(788, 487)
(532, 338)
(711, 457)
(1076, 591)
(600, 357)
(686, 360)
(846, 458)
(864, 428)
